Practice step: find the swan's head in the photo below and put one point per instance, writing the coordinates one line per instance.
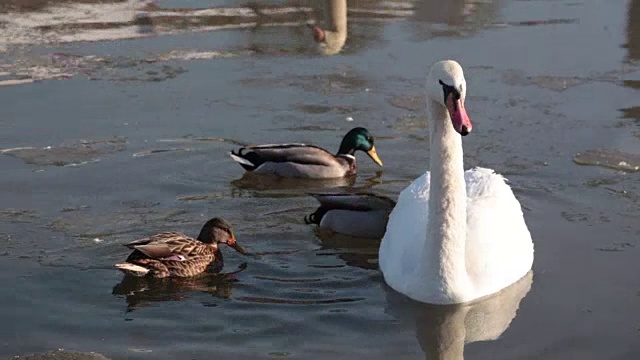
(318, 33)
(329, 42)
(446, 86)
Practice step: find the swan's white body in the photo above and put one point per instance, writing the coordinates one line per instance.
(454, 236)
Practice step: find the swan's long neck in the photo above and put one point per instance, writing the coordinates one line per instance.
(447, 224)
(337, 11)
(336, 34)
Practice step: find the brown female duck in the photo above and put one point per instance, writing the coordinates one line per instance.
(173, 254)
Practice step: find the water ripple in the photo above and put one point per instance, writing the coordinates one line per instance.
(266, 300)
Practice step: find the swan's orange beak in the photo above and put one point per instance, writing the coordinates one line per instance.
(459, 118)
(234, 244)
(318, 33)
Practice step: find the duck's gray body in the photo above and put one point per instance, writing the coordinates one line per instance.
(295, 161)
(356, 214)
(308, 161)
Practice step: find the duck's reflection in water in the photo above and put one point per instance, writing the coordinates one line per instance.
(266, 186)
(143, 291)
(250, 181)
(443, 330)
(354, 251)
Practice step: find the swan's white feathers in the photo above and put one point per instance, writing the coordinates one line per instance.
(498, 245)
(477, 242)
(400, 249)
(497, 237)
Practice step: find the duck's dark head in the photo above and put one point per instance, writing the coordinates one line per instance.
(359, 139)
(218, 230)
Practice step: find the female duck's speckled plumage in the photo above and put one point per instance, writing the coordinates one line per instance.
(174, 254)
(307, 161)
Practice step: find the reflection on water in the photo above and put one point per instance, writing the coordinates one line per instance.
(55, 22)
(142, 291)
(272, 186)
(35, 5)
(68, 21)
(444, 330)
(458, 15)
(633, 30)
(333, 35)
(358, 252)
(431, 18)
(42, 21)
(258, 182)
(254, 65)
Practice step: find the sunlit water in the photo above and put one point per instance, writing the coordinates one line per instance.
(111, 140)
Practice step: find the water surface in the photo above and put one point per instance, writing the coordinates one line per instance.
(125, 135)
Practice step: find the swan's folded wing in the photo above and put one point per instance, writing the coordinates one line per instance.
(402, 244)
(498, 241)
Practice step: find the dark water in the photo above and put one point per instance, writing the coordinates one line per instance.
(139, 130)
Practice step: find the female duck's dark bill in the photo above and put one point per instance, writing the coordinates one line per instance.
(374, 155)
(234, 244)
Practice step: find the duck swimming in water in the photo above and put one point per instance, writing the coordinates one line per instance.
(360, 214)
(174, 254)
(307, 161)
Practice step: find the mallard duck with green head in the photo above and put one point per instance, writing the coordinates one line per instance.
(307, 161)
(174, 254)
(359, 214)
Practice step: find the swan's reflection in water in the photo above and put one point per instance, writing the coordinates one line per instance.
(143, 291)
(443, 330)
(434, 18)
(332, 36)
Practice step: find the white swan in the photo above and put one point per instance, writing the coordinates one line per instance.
(454, 236)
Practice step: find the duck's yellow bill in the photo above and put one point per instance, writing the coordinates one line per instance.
(374, 155)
